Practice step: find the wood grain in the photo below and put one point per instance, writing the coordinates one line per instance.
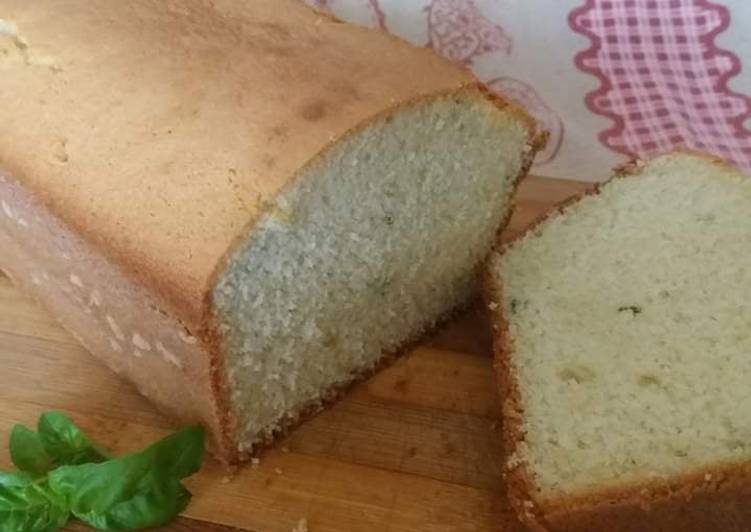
(415, 448)
(179, 525)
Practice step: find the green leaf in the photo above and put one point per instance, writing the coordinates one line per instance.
(27, 451)
(15, 479)
(29, 505)
(136, 491)
(65, 442)
(57, 442)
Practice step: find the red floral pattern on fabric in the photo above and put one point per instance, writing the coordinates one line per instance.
(458, 30)
(663, 80)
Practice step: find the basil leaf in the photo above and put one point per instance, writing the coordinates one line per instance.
(65, 442)
(136, 491)
(155, 502)
(15, 479)
(27, 451)
(58, 441)
(29, 505)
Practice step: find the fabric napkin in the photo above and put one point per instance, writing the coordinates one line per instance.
(610, 79)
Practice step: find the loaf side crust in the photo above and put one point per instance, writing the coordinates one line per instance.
(117, 320)
(715, 498)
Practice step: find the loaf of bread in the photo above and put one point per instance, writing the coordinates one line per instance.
(242, 207)
(623, 337)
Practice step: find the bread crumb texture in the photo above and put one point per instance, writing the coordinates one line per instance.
(630, 329)
(375, 242)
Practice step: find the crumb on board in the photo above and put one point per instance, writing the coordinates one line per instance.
(285, 449)
(255, 462)
(278, 470)
(302, 526)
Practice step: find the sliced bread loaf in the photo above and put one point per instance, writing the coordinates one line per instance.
(623, 338)
(243, 206)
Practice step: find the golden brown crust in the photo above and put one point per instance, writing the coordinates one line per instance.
(714, 499)
(717, 498)
(518, 484)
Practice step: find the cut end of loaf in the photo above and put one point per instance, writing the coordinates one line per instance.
(626, 342)
(371, 245)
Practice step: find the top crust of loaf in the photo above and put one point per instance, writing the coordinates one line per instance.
(161, 130)
(718, 496)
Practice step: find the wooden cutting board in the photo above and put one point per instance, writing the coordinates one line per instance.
(414, 448)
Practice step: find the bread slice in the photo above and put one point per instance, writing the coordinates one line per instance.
(623, 338)
(242, 207)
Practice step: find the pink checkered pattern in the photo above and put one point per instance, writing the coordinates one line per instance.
(663, 81)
